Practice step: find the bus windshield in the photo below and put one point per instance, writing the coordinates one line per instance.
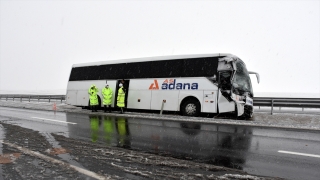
(241, 81)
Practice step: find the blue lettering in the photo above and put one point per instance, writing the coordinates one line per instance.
(179, 86)
(194, 86)
(164, 86)
(172, 86)
(186, 84)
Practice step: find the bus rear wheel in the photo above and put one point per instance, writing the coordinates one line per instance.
(191, 108)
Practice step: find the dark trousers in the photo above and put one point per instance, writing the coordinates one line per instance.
(94, 108)
(107, 107)
(121, 110)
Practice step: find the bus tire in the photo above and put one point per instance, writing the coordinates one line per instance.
(191, 108)
(248, 113)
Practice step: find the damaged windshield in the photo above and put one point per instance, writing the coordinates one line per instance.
(241, 81)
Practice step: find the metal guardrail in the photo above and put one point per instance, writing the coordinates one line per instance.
(287, 102)
(25, 97)
(257, 101)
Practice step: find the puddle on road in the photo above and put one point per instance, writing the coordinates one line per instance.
(204, 143)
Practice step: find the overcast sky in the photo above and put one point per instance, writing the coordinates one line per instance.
(40, 40)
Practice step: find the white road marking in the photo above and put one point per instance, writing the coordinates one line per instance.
(53, 120)
(47, 158)
(300, 154)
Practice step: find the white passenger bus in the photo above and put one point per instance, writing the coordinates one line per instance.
(190, 84)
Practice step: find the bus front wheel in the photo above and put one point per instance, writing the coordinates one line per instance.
(191, 108)
(248, 114)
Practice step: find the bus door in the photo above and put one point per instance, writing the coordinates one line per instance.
(126, 89)
(225, 73)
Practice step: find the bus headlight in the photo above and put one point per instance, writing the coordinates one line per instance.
(249, 101)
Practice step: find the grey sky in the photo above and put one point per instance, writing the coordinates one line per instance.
(39, 41)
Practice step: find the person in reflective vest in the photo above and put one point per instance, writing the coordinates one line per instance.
(94, 102)
(121, 98)
(107, 98)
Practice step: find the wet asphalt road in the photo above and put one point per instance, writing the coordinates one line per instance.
(259, 151)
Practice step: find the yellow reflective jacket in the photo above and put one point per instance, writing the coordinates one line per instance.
(93, 90)
(107, 96)
(121, 97)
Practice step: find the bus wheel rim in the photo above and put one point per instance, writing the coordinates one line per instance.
(191, 109)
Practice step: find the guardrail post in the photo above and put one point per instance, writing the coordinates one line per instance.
(61, 99)
(29, 98)
(49, 98)
(13, 98)
(162, 106)
(21, 99)
(38, 98)
(7, 98)
(272, 107)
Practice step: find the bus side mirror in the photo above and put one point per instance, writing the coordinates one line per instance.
(257, 74)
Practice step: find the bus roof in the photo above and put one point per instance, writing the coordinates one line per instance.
(156, 58)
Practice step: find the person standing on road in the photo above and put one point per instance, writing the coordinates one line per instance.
(94, 102)
(121, 98)
(107, 98)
